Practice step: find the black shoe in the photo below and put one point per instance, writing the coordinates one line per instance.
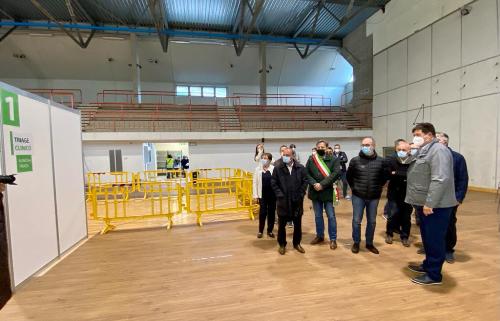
(282, 250)
(388, 239)
(372, 249)
(417, 268)
(271, 234)
(355, 248)
(333, 244)
(317, 240)
(405, 242)
(299, 248)
(425, 280)
(450, 257)
(259, 235)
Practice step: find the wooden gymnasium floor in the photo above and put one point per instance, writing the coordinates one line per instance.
(223, 272)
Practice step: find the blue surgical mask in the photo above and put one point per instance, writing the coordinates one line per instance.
(367, 150)
(286, 159)
(402, 154)
(264, 162)
(414, 151)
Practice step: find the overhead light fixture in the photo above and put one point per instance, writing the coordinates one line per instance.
(113, 38)
(180, 41)
(41, 34)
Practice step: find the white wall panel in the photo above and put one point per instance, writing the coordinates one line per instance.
(397, 65)
(380, 105)
(479, 31)
(446, 118)
(396, 100)
(68, 167)
(31, 206)
(396, 127)
(480, 78)
(419, 94)
(380, 132)
(446, 87)
(380, 73)
(479, 126)
(419, 55)
(446, 44)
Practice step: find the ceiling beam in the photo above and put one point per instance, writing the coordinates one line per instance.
(159, 18)
(345, 20)
(5, 13)
(83, 44)
(239, 45)
(7, 33)
(357, 3)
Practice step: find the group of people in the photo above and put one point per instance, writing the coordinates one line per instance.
(424, 176)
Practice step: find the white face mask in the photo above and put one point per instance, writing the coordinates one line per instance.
(337, 150)
(418, 141)
(264, 162)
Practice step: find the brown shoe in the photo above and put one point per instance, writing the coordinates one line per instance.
(317, 240)
(299, 248)
(333, 244)
(282, 250)
(372, 249)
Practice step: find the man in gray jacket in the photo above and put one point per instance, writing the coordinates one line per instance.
(431, 190)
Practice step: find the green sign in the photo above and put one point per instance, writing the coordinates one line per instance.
(10, 108)
(24, 163)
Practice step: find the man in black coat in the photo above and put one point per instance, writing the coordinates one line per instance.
(399, 212)
(342, 157)
(366, 176)
(289, 183)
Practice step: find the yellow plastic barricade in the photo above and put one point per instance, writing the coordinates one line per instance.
(123, 196)
(206, 193)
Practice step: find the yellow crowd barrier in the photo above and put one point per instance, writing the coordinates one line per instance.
(124, 196)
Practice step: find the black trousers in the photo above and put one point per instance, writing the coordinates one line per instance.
(5, 290)
(267, 210)
(297, 229)
(399, 218)
(451, 233)
(345, 184)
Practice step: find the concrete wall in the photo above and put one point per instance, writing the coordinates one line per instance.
(448, 74)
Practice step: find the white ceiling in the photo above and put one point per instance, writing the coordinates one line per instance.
(58, 57)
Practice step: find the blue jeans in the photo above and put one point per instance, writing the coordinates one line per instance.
(358, 207)
(433, 229)
(320, 223)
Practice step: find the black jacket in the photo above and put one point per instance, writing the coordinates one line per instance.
(396, 191)
(342, 157)
(289, 189)
(367, 175)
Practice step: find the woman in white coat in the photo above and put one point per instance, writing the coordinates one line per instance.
(264, 194)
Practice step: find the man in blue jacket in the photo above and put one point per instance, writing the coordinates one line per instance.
(461, 184)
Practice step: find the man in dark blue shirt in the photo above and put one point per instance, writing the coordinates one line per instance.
(461, 184)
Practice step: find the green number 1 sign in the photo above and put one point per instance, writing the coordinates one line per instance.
(10, 108)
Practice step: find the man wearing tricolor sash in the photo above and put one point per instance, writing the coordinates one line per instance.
(322, 172)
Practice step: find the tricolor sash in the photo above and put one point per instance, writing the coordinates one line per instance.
(325, 171)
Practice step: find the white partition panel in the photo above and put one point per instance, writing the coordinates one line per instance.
(31, 206)
(68, 168)
(380, 105)
(396, 127)
(446, 87)
(480, 78)
(380, 132)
